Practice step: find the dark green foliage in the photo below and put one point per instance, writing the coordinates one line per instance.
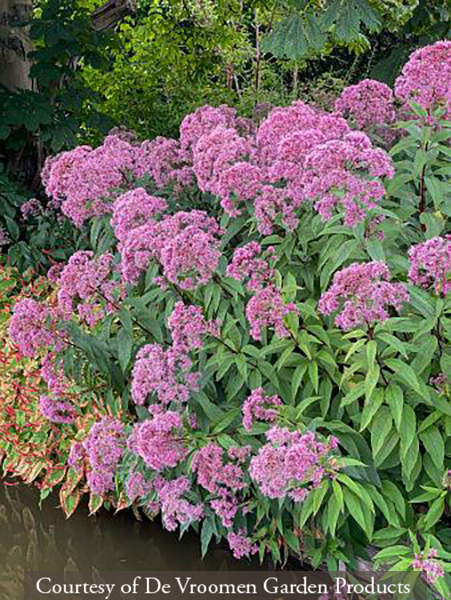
(59, 108)
(37, 241)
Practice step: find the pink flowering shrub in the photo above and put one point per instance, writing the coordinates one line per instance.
(275, 363)
(425, 78)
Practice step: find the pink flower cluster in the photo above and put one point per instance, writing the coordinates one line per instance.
(369, 104)
(133, 209)
(82, 181)
(222, 478)
(175, 509)
(85, 283)
(52, 372)
(202, 122)
(430, 568)
(163, 160)
(267, 309)
(104, 447)
(165, 373)
(31, 208)
(31, 327)
(77, 456)
(252, 264)
(363, 294)
(188, 327)
(186, 245)
(426, 77)
(57, 410)
(334, 179)
(241, 545)
(261, 407)
(291, 464)
(136, 486)
(159, 440)
(430, 264)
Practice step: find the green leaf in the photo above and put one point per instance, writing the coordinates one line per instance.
(230, 416)
(393, 342)
(434, 513)
(406, 373)
(355, 393)
(380, 428)
(213, 412)
(297, 379)
(313, 375)
(371, 381)
(395, 400)
(354, 505)
(207, 531)
(124, 348)
(392, 552)
(371, 408)
(435, 447)
(408, 429)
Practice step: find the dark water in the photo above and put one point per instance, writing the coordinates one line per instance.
(40, 539)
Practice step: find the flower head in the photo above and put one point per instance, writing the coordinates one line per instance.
(258, 406)
(425, 78)
(57, 410)
(267, 309)
(291, 464)
(31, 327)
(430, 264)
(363, 294)
(104, 447)
(159, 440)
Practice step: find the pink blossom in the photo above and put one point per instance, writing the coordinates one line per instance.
(188, 327)
(218, 475)
(136, 486)
(273, 205)
(82, 181)
(213, 473)
(186, 245)
(368, 104)
(159, 440)
(430, 568)
(334, 177)
(237, 184)
(291, 464)
(163, 159)
(241, 545)
(85, 283)
(175, 508)
(251, 263)
(257, 407)
(31, 327)
(57, 410)
(267, 309)
(363, 294)
(104, 446)
(53, 375)
(202, 122)
(77, 456)
(425, 78)
(215, 152)
(430, 264)
(133, 209)
(31, 208)
(165, 373)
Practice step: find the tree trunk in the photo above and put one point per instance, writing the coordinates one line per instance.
(14, 45)
(111, 13)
